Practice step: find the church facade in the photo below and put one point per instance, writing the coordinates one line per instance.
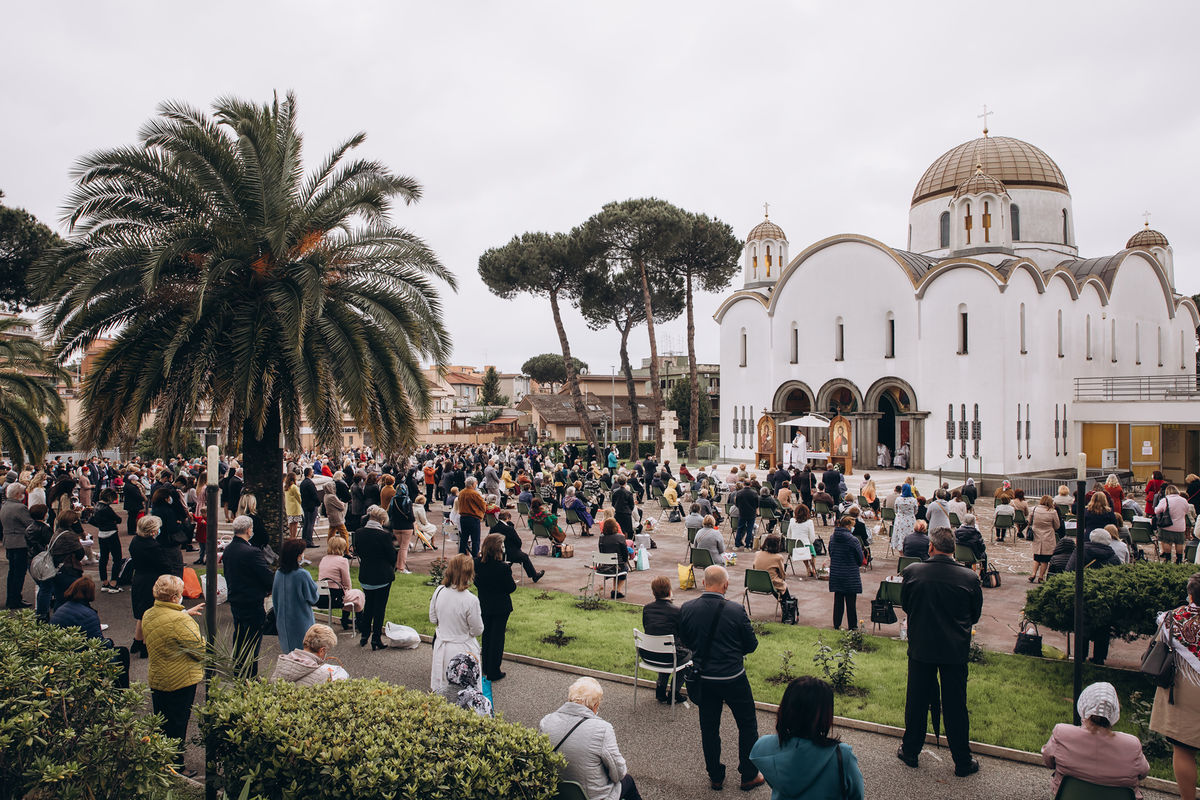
(987, 325)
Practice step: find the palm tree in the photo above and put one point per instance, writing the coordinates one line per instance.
(27, 393)
(236, 287)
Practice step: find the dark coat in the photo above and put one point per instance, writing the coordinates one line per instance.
(660, 618)
(615, 543)
(1093, 521)
(832, 480)
(845, 557)
(233, 494)
(74, 614)
(747, 503)
(494, 581)
(248, 576)
(150, 559)
(512, 539)
(622, 501)
(377, 552)
(309, 499)
(972, 538)
(1064, 552)
(916, 545)
(1095, 555)
(731, 641)
(943, 600)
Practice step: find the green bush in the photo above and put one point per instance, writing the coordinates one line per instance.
(367, 739)
(66, 730)
(1122, 601)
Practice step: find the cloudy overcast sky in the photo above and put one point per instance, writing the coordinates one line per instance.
(524, 116)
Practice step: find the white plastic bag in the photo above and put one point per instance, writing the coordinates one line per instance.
(402, 636)
(222, 589)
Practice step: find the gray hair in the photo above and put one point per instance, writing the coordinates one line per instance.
(377, 514)
(242, 524)
(968, 519)
(942, 540)
(586, 692)
(470, 482)
(15, 491)
(570, 491)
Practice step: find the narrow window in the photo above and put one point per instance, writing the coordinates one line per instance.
(1112, 338)
(1015, 213)
(754, 260)
(735, 425)
(1137, 343)
(889, 350)
(987, 222)
(768, 261)
(967, 223)
(910, 237)
(1060, 335)
(1160, 346)
(1087, 342)
(944, 230)
(1182, 352)
(1066, 228)
(742, 363)
(962, 330)
(839, 344)
(1023, 350)
(795, 344)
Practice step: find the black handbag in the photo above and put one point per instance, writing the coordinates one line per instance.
(883, 612)
(1028, 644)
(1158, 664)
(269, 626)
(819, 546)
(789, 611)
(991, 578)
(1162, 519)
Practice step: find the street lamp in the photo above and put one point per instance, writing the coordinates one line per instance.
(613, 399)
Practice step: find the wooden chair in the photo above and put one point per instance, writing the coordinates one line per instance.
(658, 645)
(1079, 789)
(758, 581)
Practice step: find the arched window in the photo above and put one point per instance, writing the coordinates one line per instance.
(889, 346)
(1112, 338)
(1023, 350)
(754, 261)
(944, 230)
(1015, 213)
(768, 261)
(1066, 228)
(967, 223)
(742, 361)
(1087, 339)
(963, 338)
(795, 344)
(839, 340)
(1060, 335)
(736, 429)
(987, 222)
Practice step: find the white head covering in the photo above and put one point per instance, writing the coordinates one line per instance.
(1099, 700)
(1100, 536)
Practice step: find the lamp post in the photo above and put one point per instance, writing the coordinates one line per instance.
(612, 399)
(210, 598)
(1080, 642)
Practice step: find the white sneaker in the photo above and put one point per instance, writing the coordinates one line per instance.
(406, 571)
(304, 562)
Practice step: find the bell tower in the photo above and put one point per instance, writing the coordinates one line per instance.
(766, 254)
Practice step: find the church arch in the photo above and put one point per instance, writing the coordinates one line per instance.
(892, 385)
(840, 396)
(793, 397)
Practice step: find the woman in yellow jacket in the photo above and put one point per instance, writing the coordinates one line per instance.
(292, 508)
(176, 651)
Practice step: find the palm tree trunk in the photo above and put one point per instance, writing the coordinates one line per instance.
(262, 471)
(585, 424)
(654, 387)
(627, 371)
(693, 377)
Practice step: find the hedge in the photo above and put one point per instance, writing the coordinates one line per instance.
(66, 730)
(1122, 601)
(367, 739)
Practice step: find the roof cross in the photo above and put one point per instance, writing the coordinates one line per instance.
(766, 209)
(1146, 214)
(984, 117)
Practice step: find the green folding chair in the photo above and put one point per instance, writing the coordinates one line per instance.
(1078, 789)
(664, 507)
(890, 590)
(888, 514)
(965, 555)
(700, 559)
(758, 581)
(523, 512)
(1189, 552)
(1003, 524)
(822, 510)
(906, 560)
(570, 790)
(691, 534)
(1127, 514)
(490, 520)
(540, 531)
(955, 522)
(573, 519)
(765, 515)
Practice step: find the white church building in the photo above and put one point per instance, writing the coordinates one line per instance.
(988, 314)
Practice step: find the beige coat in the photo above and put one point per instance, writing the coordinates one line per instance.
(335, 509)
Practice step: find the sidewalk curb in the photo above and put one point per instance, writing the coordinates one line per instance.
(979, 748)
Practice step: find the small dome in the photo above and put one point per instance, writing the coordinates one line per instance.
(1012, 161)
(980, 183)
(1147, 237)
(767, 230)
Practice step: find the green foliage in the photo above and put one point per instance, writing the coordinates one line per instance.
(27, 392)
(489, 394)
(559, 638)
(366, 739)
(785, 674)
(23, 240)
(1122, 601)
(58, 436)
(437, 570)
(484, 417)
(837, 666)
(1137, 711)
(548, 368)
(185, 443)
(680, 401)
(66, 730)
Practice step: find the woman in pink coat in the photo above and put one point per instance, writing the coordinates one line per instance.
(1093, 751)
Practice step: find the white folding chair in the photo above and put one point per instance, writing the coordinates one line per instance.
(664, 646)
(606, 560)
(325, 600)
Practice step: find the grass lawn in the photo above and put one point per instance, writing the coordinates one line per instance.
(1015, 701)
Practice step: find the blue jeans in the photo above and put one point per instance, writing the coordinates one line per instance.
(45, 591)
(745, 531)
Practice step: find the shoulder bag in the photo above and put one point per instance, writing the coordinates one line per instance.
(692, 676)
(1028, 644)
(42, 566)
(882, 610)
(1158, 662)
(568, 734)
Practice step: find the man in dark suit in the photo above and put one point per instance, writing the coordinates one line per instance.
(943, 600)
(234, 491)
(746, 501)
(661, 618)
(309, 502)
(833, 483)
(718, 632)
(249, 580)
(622, 506)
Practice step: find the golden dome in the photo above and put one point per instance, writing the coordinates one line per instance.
(1012, 161)
(1147, 237)
(980, 183)
(767, 230)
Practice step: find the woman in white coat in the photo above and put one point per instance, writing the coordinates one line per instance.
(455, 612)
(425, 529)
(804, 532)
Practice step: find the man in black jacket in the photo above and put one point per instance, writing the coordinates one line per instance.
(622, 506)
(309, 501)
(718, 632)
(943, 600)
(661, 618)
(833, 483)
(746, 501)
(249, 580)
(968, 535)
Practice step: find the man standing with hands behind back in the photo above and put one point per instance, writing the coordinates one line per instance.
(943, 600)
(718, 633)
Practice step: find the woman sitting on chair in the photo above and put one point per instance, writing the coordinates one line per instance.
(573, 502)
(539, 513)
(772, 561)
(1093, 751)
(612, 540)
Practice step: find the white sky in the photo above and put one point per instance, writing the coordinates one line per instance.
(521, 116)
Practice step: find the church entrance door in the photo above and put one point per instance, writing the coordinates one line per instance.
(887, 423)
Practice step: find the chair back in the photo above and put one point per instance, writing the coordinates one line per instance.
(964, 554)
(862, 502)
(785, 521)
(656, 492)
(540, 531)
(768, 512)
(1077, 789)
(570, 790)
(758, 581)
(523, 509)
(821, 507)
(490, 520)
(1003, 521)
(1127, 514)
(691, 532)
(906, 560)
(890, 591)
(572, 517)
(662, 502)
(1139, 533)
(1189, 552)
(654, 644)
(701, 557)
(605, 559)
(954, 520)
(889, 514)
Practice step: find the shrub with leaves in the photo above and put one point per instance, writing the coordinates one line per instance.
(66, 730)
(1121, 601)
(366, 739)
(836, 665)
(785, 674)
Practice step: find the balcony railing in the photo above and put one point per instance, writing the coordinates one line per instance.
(1138, 387)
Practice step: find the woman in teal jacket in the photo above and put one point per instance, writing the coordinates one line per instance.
(801, 761)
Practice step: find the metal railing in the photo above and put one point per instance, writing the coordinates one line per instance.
(1138, 387)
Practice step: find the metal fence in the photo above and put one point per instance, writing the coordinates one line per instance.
(1138, 387)
(1048, 484)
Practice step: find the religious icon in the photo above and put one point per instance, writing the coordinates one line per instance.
(839, 434)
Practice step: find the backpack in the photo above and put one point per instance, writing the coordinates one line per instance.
(42, 566)
(789, 610)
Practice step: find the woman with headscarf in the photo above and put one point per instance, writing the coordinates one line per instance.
(1092, 751)
(906, 517)
(462, 685)
(1176, 713)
